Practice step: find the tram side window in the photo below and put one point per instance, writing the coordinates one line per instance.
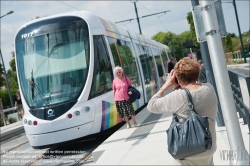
(103, 75)
(122, 54)
(132, 70)
(144, 62)
(165, 59)
(113, 47)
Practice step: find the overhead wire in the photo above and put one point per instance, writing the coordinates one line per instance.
(124, 14)
(155, 16)
(68, 5)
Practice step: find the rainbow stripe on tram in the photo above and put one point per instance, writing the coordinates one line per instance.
(110, 116)
(141, 39)
(110, 28)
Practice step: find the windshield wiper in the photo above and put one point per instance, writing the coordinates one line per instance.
(35, 88)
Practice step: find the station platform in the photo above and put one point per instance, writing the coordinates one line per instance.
(147, 143)
(11, 130)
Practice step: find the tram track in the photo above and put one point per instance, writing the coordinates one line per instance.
(19, 152)
(13, 148)
(58, 159)
(86, 146)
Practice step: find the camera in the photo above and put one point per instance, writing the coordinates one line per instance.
(176, 81)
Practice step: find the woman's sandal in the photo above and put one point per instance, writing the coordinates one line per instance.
(128, 126)
(136, 125)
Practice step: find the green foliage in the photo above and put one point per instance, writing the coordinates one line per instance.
(12, 120)
(13, 62)
(1, 123)
(192, 29)
(176, 39)
(229, 43)
(232, 34)
(4, 95)
(2, 80)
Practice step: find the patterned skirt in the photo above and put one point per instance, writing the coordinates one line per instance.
(125, 108)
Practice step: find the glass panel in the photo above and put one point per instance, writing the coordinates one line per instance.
(53, 67)
(159, 65)
(147, 68)
(133, 74)
(103, 75)
(123, 56)
(113, 47)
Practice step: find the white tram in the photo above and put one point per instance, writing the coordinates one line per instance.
(65, 68)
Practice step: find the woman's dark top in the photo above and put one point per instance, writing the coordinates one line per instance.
(19, 101)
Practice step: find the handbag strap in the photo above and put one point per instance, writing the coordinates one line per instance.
(126, 80)
(190, 100)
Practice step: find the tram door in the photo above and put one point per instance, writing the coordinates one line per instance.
(124, 57)
(148, 69)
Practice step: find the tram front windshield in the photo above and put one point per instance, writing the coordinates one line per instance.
(53, 67)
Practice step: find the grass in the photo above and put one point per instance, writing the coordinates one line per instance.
(235, 62)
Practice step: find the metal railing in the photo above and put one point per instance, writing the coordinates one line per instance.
(240, 84)
(3, 111)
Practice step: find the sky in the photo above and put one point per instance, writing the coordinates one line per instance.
(174, 20)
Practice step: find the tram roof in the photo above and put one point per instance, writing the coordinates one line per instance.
(99, 25)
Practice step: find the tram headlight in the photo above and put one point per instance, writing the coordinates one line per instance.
(77, 113)
(87, 109)
(30, 122)
(25, 121)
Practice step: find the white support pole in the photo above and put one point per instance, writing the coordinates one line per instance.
(223, 84)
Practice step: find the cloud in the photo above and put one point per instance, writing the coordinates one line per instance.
(174, 21)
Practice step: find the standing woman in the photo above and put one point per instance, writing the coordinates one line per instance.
(123, 104)
(187, 71)
(19, 105)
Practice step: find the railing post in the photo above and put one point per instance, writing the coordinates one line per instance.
(2, 113)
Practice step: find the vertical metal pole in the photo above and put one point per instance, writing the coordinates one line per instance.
(209, 72)
(242, 46)
(7, 81)
(137, 17)
(222, 81)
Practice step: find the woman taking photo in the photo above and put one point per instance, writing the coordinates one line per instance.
(123, 104)
(187, 71)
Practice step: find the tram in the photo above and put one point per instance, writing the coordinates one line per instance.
(65, 68)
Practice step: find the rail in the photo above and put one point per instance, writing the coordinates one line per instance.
(240, 84)
(3, 111)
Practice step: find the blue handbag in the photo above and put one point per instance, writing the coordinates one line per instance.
(135, 93)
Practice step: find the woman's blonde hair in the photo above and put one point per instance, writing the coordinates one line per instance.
(118, 68)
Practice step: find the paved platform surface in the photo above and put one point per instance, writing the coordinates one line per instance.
(11, 130)
(155, 139)
(147, 144)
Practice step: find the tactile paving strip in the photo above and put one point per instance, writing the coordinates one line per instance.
(145, 128)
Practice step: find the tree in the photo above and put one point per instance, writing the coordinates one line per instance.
(13, 62)
(184, 37)
(12, 73)
(2, 80)
(192, 29)
(229, 43)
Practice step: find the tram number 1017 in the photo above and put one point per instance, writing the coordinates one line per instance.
(25, 35)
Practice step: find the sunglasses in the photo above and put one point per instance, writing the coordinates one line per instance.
(118, 72)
